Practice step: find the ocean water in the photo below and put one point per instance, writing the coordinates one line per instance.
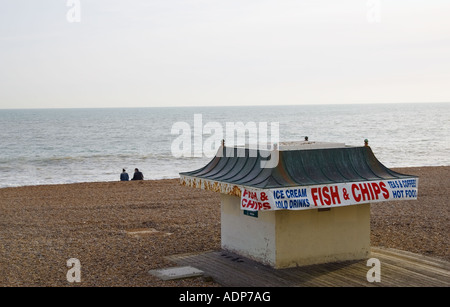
(56, 146)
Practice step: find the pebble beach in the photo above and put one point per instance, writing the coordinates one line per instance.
(121, 230)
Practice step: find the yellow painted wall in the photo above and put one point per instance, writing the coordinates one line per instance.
(311, 236)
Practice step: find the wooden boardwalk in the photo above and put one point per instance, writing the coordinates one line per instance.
(397, 269)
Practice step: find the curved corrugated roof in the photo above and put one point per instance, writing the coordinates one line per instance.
(241, 166)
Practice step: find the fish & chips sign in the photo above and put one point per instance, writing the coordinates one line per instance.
(326, 196)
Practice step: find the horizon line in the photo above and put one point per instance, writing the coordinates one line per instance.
(221, 106)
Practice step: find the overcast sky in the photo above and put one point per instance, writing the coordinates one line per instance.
(143, 53)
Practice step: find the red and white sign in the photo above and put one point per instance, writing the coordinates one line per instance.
(330, 195)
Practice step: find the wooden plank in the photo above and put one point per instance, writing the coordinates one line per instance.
(398, 268)
(411, 275)
(416, 268)
(435, 264)
(245, 270)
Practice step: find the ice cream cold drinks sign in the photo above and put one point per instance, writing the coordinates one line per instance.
(326, 196)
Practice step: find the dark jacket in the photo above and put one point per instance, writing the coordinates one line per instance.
(124, 177)
(138, 176)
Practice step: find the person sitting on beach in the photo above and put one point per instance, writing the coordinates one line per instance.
(124, 176)
(137, 175)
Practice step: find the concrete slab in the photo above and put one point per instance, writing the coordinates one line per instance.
(176, 273)
(139, 232)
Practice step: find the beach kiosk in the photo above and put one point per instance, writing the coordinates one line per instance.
(300, 203)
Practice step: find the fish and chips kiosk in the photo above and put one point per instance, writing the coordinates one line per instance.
(300, 203)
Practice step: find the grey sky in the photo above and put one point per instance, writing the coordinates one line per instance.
(140, 53)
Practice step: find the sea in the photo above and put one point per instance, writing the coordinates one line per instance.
(61, 146)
